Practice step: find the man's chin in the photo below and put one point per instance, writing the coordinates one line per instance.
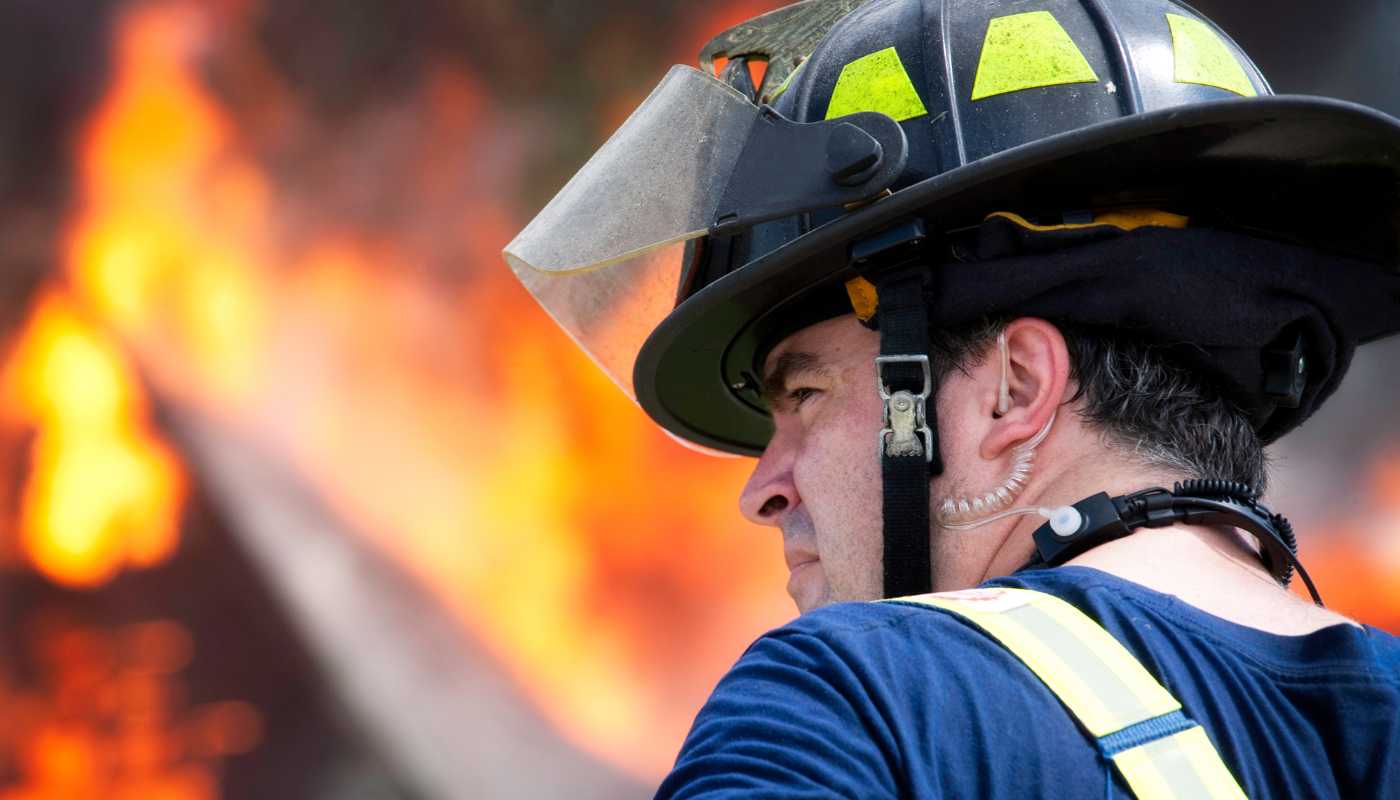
(807, 587)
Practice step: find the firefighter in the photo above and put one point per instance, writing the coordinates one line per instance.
(1008, 297)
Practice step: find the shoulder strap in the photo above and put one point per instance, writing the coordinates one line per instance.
(1135, 721)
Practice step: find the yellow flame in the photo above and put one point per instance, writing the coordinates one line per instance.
(103, 491)
(447, 421)
(162, 244)
(450, 423)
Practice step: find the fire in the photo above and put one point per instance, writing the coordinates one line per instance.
(444, 417)
(388, 355)
(161, 244)
(103, 491)
(1356, 562)
(106, 719)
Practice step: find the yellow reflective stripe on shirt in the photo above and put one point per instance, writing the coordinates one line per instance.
(1104, 686)
(1183, 765)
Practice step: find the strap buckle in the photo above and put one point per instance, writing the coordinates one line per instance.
(904, 412)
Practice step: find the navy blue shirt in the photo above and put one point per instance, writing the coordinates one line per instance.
(899, 700)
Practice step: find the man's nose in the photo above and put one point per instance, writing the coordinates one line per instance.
(770, 489)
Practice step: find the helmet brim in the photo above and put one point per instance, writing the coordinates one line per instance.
(1317, 172)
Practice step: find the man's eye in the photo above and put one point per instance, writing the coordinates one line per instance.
(801, 395)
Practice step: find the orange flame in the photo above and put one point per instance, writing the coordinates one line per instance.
(445, 418)
(161, 246)
(1356, 562)
(103, 491)
(448, 421)
(108, 723)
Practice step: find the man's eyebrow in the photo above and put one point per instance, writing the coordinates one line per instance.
(788, 365)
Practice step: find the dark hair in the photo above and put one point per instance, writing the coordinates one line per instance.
(1141, 402)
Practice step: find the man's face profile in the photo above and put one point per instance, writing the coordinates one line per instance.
(819, 478)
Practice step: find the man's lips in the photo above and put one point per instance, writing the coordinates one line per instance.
(798, 558)
(800, 553)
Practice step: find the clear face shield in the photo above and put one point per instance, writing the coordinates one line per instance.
(606, 256)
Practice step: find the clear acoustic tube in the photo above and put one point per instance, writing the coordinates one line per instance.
(960, 514)
(1010, 512)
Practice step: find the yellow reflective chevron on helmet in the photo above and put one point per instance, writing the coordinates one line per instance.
(782, 87)
(1025, 51)
(1201, 57)
(876, 82)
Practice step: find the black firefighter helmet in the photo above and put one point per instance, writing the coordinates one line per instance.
(1114, 163)
(708, 227)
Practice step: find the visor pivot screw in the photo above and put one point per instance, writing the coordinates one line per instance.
(852, 155)
(748, 384)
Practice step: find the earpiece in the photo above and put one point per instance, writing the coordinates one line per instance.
(1004, 398)
(965, 513)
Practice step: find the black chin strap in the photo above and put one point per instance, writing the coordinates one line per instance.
(909, 453)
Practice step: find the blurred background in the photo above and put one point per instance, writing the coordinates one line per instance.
(300, 494)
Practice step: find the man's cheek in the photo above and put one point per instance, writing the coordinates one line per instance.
(827, 454)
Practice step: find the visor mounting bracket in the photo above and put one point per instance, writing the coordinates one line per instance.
(891, 251)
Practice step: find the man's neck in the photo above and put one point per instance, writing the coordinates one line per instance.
(1212, 569)
(1215, 569)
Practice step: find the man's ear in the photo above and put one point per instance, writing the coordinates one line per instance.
(1037, 375)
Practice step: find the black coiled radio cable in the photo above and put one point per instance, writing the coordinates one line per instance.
(1246, 494)
(1095, 520)
(1212, 487)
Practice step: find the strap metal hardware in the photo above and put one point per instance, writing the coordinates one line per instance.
(904, 412)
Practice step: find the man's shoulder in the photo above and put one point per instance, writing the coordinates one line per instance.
(865, 698)
(871, 697)
(1195, 651)
(1152, 625)
(900, 641)
(860, 623)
